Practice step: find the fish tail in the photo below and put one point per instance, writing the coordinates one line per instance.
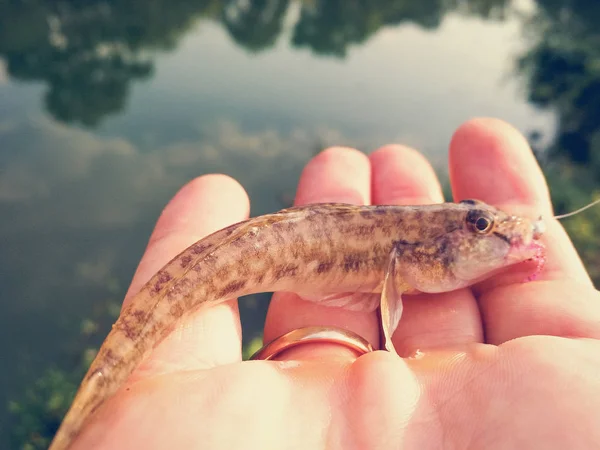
(141, 326)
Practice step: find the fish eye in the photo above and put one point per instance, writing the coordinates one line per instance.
(481, 222)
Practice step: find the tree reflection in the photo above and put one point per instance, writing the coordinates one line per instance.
(331, 26)
(89, 52)
(254, 25)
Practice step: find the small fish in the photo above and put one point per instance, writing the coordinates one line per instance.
(353, 257)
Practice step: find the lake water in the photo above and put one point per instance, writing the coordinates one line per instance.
(107, 108)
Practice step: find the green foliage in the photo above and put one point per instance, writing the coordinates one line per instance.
(252, 347)
(569, 193)
(38, 413)
(561, 71)
(40, 410)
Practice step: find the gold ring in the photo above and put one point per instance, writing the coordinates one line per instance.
(313, 334)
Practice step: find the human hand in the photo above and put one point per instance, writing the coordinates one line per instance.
(512, 366)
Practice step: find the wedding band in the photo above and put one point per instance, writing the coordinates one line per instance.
(311, 335)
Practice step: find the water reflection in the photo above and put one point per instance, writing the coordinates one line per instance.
(89, 53)
(330, 27)
(89, 173)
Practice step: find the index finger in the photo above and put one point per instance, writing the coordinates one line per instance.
(492, 161)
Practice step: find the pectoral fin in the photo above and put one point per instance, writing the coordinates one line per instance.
(352, 301)
(391, 303)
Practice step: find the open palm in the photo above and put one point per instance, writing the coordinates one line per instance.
(510, 366)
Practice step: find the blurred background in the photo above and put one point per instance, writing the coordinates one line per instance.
(107, 107)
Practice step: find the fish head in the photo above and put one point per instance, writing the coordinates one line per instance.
(489, 240)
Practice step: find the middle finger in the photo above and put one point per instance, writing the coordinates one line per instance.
(335, 175)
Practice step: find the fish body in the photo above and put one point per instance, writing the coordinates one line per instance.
(354, 257)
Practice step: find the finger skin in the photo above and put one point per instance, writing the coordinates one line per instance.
(402, 176)
(492, 161)
(212, 335)
(553, 308)
(337, 174)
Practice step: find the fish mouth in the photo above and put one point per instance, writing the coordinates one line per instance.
(522, 264)
(534, 252)
(522, 252)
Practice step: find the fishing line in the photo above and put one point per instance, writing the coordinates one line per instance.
(577, 211)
